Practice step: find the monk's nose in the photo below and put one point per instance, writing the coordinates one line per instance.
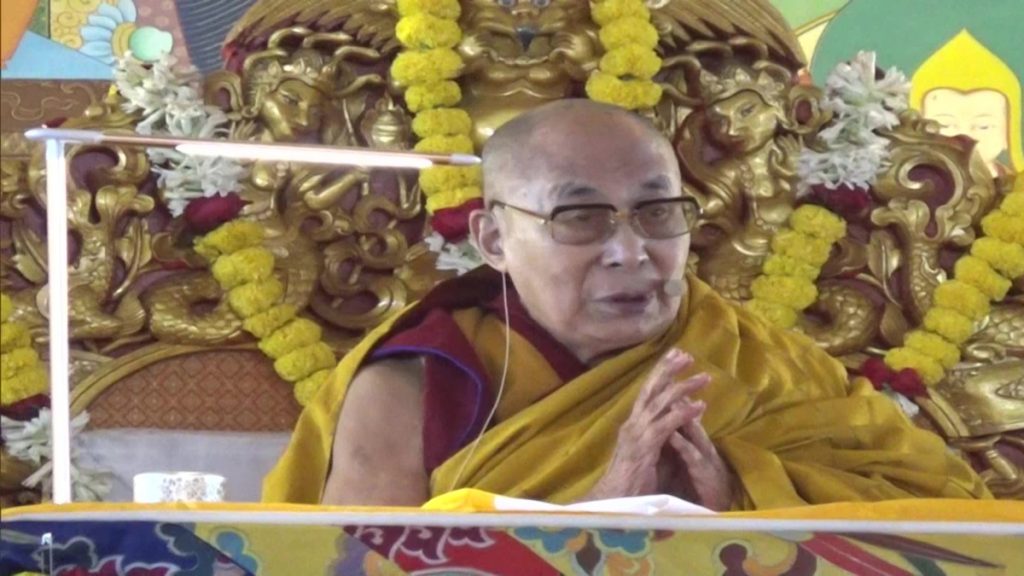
(625, 248)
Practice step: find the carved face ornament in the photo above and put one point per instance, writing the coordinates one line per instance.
(293, 111)
(743, 121)
(526, 33)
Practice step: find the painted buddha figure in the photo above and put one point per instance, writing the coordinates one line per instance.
(970, 91)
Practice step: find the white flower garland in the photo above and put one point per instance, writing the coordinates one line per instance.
(458, 256)
(861, 104)
(169, 102)
(31, 442)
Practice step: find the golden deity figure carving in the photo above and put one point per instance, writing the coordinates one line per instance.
(738, 150)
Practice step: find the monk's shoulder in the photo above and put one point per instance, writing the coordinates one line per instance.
(377, 457)
(796, 353)
(380, 376)
(383, 410)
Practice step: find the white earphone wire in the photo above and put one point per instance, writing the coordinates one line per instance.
(501, 386)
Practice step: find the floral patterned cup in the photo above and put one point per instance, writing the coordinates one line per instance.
(152, 487)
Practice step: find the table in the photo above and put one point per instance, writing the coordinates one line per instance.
(893, 538)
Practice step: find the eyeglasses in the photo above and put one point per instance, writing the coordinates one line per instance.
(579, 224)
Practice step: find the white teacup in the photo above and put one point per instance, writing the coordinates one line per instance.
(152, 487)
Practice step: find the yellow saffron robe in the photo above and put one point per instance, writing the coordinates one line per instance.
(780, 410)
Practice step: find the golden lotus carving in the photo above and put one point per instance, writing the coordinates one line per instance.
(348, 241)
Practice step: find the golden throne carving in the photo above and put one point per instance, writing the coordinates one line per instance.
(349, 243)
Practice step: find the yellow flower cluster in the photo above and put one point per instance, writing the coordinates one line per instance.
(22, 374)
(428, 31)
(230, 238)
(786, 285)
(245, 269)
(625, 73)
(979, 278)
(246, 265)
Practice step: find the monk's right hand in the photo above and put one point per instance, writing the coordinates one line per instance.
(661, 408)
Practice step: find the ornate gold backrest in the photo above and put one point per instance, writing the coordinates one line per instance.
(144, 305)
(348, 241)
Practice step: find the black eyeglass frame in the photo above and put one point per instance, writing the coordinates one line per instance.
(615, 214)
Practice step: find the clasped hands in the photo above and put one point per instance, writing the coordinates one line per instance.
(662, 447)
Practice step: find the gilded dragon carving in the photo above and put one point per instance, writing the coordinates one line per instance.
(106, 212)
(323, 225)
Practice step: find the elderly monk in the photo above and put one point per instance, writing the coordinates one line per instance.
(619, 374)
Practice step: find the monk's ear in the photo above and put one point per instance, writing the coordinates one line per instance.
(486, 236)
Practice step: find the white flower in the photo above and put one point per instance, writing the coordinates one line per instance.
(168, 99)
(852, 86)
(31, 441)
(461, 257)
(855, 166)
(862, 104)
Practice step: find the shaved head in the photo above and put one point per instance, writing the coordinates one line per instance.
(570, 158)
(546, 131)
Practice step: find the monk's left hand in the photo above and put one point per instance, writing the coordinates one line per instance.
(703, 477)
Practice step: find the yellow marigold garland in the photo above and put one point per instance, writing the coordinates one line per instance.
(625, 73)
(245, 269)
(934, 346)
(422, 66)
(438, 144)
(442, 122)
(923, 363)
(14, 336)
(782, 265)
(631, 60)
(21, 372)
(786, 285)
(979, 278)
(447, 9)
(1013, 204)
(608, 11)
(265, 323)
(1004, 226)
(254, 297)
(229, 239)
(958, 295)
(793, 291)
(246, 265)
(306, 388)
(303, 362)
(1006, 258)
(949, 324)
(428, 30)
(982, 276)
(296, 334)
(432, 95)
(802, 247)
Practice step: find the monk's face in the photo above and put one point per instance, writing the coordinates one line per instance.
(602, 296)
